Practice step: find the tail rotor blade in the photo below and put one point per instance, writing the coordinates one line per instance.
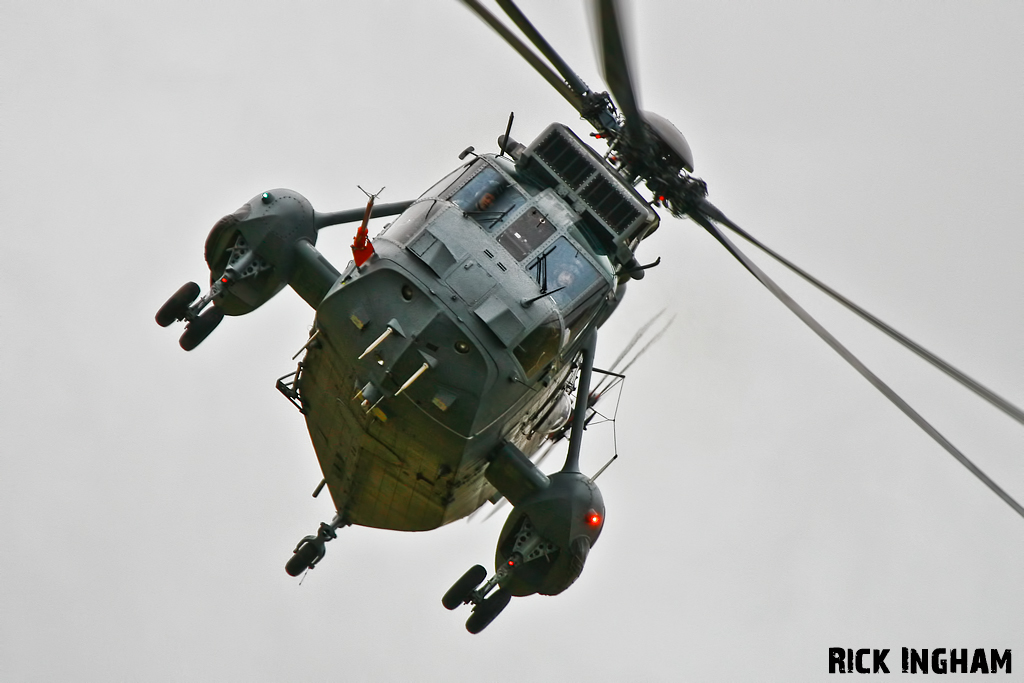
(658, 335)
(497, 506)
(606, 380)
(504, 501)
(636, 338)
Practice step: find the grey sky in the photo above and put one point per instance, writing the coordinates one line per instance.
(768, 504)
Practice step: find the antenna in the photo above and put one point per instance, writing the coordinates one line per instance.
(362, 250)
(614, 457)
(508, 129)
(371, 196)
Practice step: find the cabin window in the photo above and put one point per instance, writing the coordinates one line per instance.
(540, 347)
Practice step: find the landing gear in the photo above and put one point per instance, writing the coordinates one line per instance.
(461, 592)
(243, 266)
(485, 607)
(176, 308)
(312, 549)
(200, 328)
(183, 306)
(486, 611)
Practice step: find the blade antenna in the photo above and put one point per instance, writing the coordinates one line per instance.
(505, 138)
(972, 384)
(526, 53)
(703, 220)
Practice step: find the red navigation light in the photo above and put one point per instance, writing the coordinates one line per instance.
(594, 518)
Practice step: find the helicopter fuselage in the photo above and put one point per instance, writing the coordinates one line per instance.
(446, 352)
(457, 335)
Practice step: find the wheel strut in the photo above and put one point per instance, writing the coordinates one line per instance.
(311, 549)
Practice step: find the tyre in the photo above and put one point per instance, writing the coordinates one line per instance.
(175, 307)
(200, 328)
(487, 610)
(461, 589)
(305, 556)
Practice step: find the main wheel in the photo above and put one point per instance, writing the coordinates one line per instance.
(175, 307)
(461, 589)
(200, 328)
(304, 557)
(486, 611)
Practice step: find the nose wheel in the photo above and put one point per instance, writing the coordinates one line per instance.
(311, 549)
(487, 605)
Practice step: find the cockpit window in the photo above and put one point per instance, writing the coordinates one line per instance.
(564, 271)
(526, 233)
(539, 347)
(439, 187)
(487, 197)
(582, 313)
(409, 223)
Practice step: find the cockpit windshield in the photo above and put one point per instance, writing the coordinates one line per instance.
(564, 271)
(437, 190)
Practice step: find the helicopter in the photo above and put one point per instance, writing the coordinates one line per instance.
(444, 356)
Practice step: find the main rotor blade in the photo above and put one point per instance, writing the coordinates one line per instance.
(615, 65)
(972, 384)
(703, 219)
(574, 82)
(526, 53)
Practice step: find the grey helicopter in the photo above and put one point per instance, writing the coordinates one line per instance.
(457, 347)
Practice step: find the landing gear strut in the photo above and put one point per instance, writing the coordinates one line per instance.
(183, 305)
(485, 607)
(312, 549)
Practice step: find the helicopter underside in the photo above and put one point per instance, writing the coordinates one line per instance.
(380, 473)
(409, 460)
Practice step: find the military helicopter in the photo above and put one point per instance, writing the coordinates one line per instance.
(442, 359)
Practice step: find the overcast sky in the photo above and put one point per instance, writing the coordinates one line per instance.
(768, 503)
